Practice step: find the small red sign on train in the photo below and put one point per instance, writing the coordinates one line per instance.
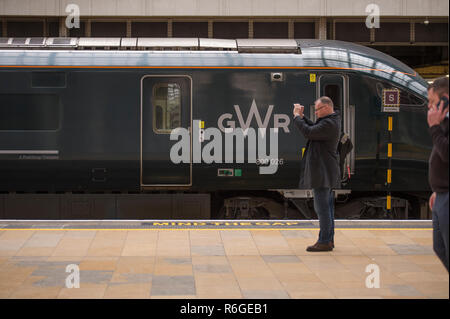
(391, 97)
(391, 100)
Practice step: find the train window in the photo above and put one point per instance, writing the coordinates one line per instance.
(166, 107)
(333, 91)
(408, 99)
(29, 112)
(159, 117)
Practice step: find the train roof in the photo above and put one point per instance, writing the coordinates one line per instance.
(207, 53)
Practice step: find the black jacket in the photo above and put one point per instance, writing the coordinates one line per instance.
(320, 163)
(438, 164)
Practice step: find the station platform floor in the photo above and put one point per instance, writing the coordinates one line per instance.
(256, 260)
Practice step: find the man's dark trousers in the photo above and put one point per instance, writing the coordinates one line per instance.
(440, 227)
(324, 207)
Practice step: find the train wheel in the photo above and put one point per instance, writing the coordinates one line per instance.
(256, 213)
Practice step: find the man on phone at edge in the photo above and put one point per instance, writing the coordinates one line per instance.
(320, 169)
(438, 165)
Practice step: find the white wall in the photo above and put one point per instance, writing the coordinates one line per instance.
(225, 8)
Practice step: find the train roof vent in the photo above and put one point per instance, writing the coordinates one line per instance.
(36, 42)
(61, 42)
(99, 43)
(268, 46)
(19, 42)
(128, 44)
(22, 42)
(4, 42)
(217, 44)
(167, 43)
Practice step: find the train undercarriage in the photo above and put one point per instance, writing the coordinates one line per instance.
(275, 204)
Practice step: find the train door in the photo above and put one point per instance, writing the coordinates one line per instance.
(166, 104)
(335, 86)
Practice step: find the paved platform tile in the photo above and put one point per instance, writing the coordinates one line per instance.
(26, 292)
(216, 284)
(173, 285)
(403, 249)
(296, 233)
(92, 292)
(208, 250)
(72, 247)
(212, 268)
(130, 278)
(135, 264)
(128, 291)
(281, 258)
(99, 263)
(405, 290)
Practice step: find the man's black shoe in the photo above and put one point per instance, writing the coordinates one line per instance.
(320, 247)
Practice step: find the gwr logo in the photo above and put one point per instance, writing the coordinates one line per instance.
(280, 120)
(211, 152)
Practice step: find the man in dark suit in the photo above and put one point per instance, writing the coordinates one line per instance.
(438, 165)
(320, 165)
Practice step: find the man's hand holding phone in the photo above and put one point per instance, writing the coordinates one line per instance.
(298, 110)
(437, 113)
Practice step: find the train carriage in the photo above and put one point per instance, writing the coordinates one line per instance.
(198, 128)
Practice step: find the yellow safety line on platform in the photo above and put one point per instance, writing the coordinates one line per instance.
(141, 229)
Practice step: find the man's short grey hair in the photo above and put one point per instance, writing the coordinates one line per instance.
(326, 100)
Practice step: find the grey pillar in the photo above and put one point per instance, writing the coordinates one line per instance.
(322, 28)
(63, 32)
